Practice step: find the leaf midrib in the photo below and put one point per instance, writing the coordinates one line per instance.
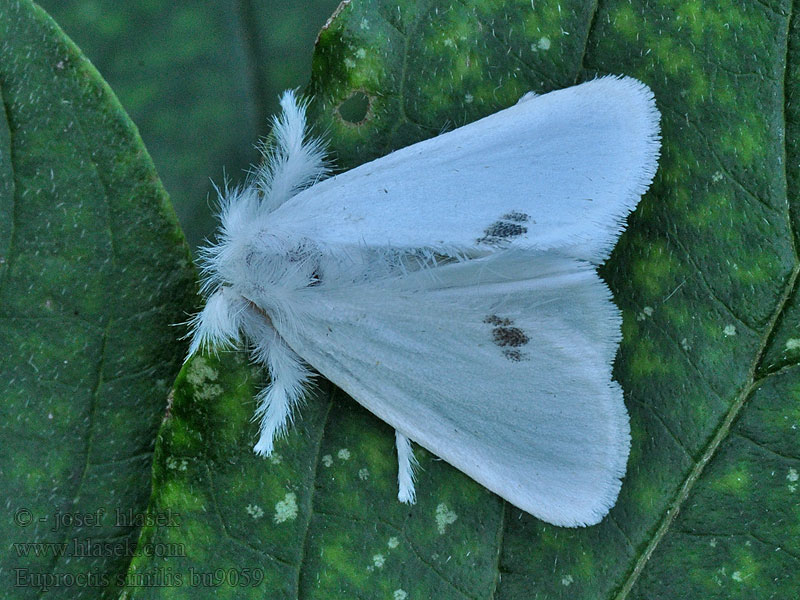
(309, 507)
(5, 267)
(721, 433)
(753, 381)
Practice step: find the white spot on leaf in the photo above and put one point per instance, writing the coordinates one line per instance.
(363, 474)
(202, 376)
(177, 464)
(792, 344)
(286, 509)
(544, 43)
(567, 580)
(343, 454)
(378, 560)
(399, 594)
(254, 510)
(647, 311)
(201, 372)
(729, 330)
(444, 517)
(327, 460)
(393, 542)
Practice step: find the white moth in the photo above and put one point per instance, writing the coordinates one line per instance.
(450, 288)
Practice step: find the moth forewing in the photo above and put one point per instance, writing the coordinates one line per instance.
(450, 288)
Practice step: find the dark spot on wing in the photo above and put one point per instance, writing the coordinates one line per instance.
(505, 228)
(508, 337)
(515, 355)
(495, 320)
(517, 217)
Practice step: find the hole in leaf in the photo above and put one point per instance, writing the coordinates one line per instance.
(354, 109)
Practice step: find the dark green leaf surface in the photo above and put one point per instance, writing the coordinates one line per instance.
(93, 272)
(706, 278)
(199, 79)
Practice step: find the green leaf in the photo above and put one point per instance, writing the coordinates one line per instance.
(706, 276)
(197, 79)
(93, 272)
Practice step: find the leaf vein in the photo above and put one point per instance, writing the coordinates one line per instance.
(716, 534)
(6, 264)
(589, 30)
(706, 284)
(539, 73)
(701, 376)
(412, 547)
(309, 508)
(621, 531)
(711, 447)
(89, 437)
(763, 447)
(753, 381)
(500, 532)
(237, 540)
(666, 427)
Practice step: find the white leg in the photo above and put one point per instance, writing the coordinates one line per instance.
(405, 469)
(277, 401)
(218, 324)
(288, 378)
